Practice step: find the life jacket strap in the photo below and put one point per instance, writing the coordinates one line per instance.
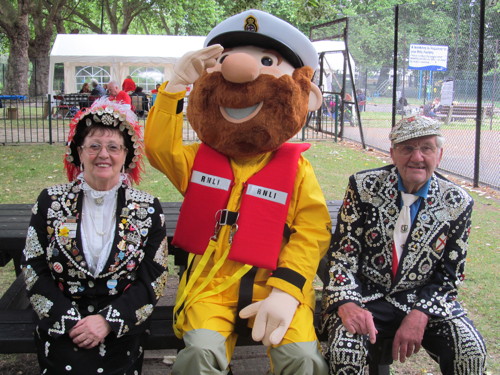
(244, 299)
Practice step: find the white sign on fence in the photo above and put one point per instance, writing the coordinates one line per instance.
(428, 57)
(447, 93)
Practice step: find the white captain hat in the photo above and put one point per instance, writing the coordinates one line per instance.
(258, 28)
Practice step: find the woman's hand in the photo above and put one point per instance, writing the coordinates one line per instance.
(90, 331)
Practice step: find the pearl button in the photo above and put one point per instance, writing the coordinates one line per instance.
(91, 308)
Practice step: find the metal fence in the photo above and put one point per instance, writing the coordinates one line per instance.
(472, 140)
(46, 119)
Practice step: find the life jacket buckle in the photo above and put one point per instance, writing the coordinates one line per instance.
(234, 229)
(225, 217)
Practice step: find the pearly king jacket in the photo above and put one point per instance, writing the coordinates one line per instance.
(433, 259)
(60, 286)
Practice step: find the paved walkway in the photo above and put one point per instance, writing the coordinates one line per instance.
(247, 360)
(459, 148)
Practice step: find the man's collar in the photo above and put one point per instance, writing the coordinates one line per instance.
(422, 192)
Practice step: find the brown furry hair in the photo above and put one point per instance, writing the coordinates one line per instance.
(285, 106)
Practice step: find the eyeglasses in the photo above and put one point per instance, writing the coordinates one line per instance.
(95, 148)
(407, 150)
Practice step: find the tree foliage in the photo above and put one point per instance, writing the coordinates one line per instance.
(28, 27)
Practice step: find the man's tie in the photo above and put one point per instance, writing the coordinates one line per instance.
(401, 230)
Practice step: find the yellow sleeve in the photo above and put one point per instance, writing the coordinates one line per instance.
(163, 139)
(310, 226)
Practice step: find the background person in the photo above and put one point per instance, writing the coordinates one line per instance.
(95, 257)
(430, 109)
(145, 103)
(402, 106)
(383, 285)
(361, 97)
(117, 95)
(85, 88)
(128, 85)
(155, 90)
(97, 89)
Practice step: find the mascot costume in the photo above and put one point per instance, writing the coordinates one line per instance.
(254, 219)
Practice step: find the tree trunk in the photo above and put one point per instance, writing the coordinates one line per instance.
(383, 75)
(17, 65)
(39, 56)
(39, 83)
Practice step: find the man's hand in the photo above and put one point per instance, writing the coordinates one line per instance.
(358, 320)
(190, 67)
(273, 316)
(90, 331)
(409, 335)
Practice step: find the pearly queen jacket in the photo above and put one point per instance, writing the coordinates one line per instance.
(307, 216)
(61, 288)
(433, 260)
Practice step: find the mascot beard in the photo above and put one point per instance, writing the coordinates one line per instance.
(273, 110)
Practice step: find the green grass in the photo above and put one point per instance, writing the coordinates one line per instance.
(27, 169)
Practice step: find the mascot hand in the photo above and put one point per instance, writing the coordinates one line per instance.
(191, 66)
(273, 316)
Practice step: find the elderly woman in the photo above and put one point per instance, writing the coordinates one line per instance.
(95, 258)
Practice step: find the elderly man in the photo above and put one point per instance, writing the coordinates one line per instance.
(117, 95)
(397, 258)
(97, 89)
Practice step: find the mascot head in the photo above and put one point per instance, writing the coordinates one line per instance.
(258, 94)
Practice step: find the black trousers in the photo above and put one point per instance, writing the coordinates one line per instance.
(454, 343)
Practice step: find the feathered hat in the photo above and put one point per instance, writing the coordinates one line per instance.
(113, 114)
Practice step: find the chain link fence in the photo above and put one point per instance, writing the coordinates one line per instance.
(447, 32)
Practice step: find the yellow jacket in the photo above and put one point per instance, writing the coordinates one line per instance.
(308, 216)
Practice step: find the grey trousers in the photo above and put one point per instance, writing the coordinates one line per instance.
(205, 354)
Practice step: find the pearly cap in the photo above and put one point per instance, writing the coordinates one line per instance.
(414, 127)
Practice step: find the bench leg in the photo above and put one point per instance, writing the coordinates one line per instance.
(380, 356)
(376, 369)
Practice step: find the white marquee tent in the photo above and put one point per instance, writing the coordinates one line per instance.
(119, 52)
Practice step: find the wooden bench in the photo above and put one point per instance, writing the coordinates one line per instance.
(462, 112)
(17, 317)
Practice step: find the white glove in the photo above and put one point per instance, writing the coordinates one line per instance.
(190, 67)
(273, 316)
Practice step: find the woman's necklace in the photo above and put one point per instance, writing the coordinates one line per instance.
(89, 211)
(98, 196)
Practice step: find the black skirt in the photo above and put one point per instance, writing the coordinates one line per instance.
(120, 356)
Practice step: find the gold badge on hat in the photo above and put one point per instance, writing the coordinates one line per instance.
(251, 24)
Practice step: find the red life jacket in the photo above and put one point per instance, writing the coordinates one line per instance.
(263, 210)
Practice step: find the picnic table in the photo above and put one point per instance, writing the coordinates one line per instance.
(463, 111)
